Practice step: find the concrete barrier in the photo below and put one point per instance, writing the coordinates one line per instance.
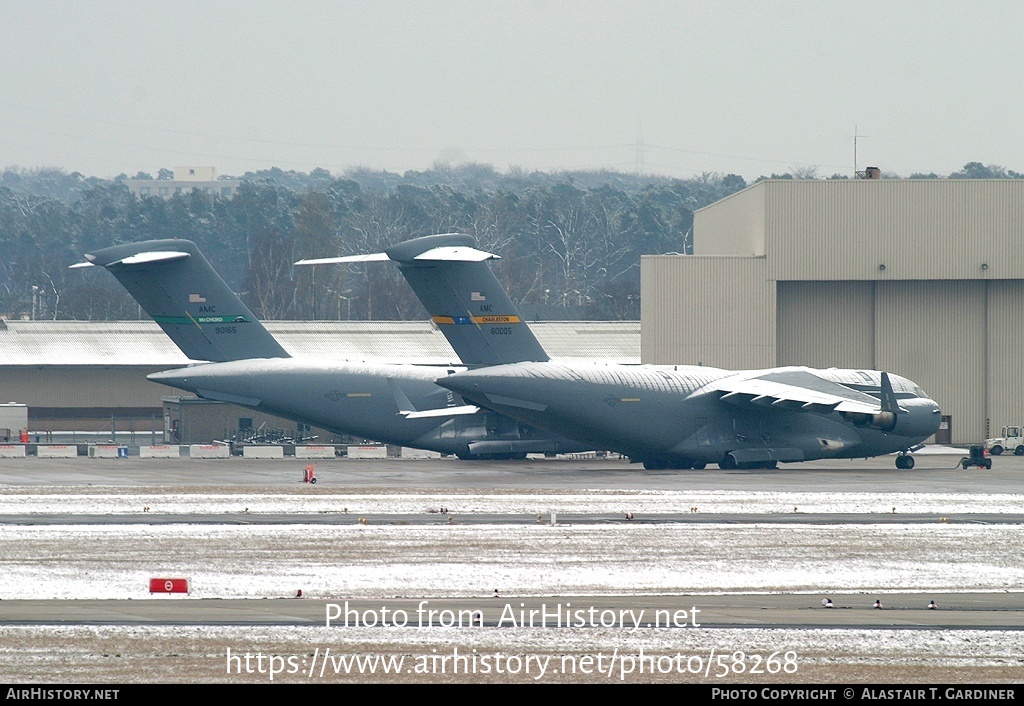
(367, 451)
(419, 453)
(103, 451)
(159, 451)
(209, 451)
(57, 451)
(314, 452)
(262, 452)
(12, 451)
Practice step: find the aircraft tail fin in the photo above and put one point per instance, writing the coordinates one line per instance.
(176, 285)
(452, 279)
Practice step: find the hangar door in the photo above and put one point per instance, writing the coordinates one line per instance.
(931, 331)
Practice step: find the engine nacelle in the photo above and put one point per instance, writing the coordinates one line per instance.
(886, 421)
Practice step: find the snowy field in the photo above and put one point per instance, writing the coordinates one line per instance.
(354, 560)
(186, 654)
(121, 500)
(378, 560)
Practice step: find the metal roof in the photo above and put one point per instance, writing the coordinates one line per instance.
(143, 343)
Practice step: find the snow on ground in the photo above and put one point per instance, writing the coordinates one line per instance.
(117, 500)
(216, 653)
(229, 561)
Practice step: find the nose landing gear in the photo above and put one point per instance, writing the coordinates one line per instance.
(904, 461)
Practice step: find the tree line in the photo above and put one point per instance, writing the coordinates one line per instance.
(570, 242)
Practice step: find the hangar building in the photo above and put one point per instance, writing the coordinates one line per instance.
(921, 277)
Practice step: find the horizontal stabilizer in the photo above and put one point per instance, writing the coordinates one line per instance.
(456, 254)
(141, 258)
(442, 412)
(147, 257)
(441, 254)
(372, 257)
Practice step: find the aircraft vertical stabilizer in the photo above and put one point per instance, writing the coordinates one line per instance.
(176, 285)
(452, 279)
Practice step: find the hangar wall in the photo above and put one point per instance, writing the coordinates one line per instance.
(740, 332)
(845, 229)
(738, 224)
(916, 228)
(842, 316)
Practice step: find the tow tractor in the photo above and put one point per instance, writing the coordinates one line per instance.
(978, 457)
(1011, 440)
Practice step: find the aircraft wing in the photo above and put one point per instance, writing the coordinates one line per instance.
(796, 389)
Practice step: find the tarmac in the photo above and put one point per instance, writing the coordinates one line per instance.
(936, 472)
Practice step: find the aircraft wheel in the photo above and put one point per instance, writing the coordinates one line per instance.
(997, 450)
(699, 466)
(728, 463)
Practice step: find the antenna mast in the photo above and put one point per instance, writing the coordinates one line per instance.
(856, 173)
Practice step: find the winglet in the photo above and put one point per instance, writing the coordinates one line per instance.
(888, 397)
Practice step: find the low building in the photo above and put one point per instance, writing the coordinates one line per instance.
(185, 180)
(78, 376)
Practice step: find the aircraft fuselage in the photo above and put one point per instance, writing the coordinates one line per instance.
(683, 415)
(365, 400)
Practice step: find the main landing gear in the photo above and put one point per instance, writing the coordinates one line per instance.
(904, 461)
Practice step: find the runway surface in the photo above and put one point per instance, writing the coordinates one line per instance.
(754, 552)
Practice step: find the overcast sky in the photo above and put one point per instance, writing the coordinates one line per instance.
(105, 87)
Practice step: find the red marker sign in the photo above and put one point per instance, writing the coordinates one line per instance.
(168, 585)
